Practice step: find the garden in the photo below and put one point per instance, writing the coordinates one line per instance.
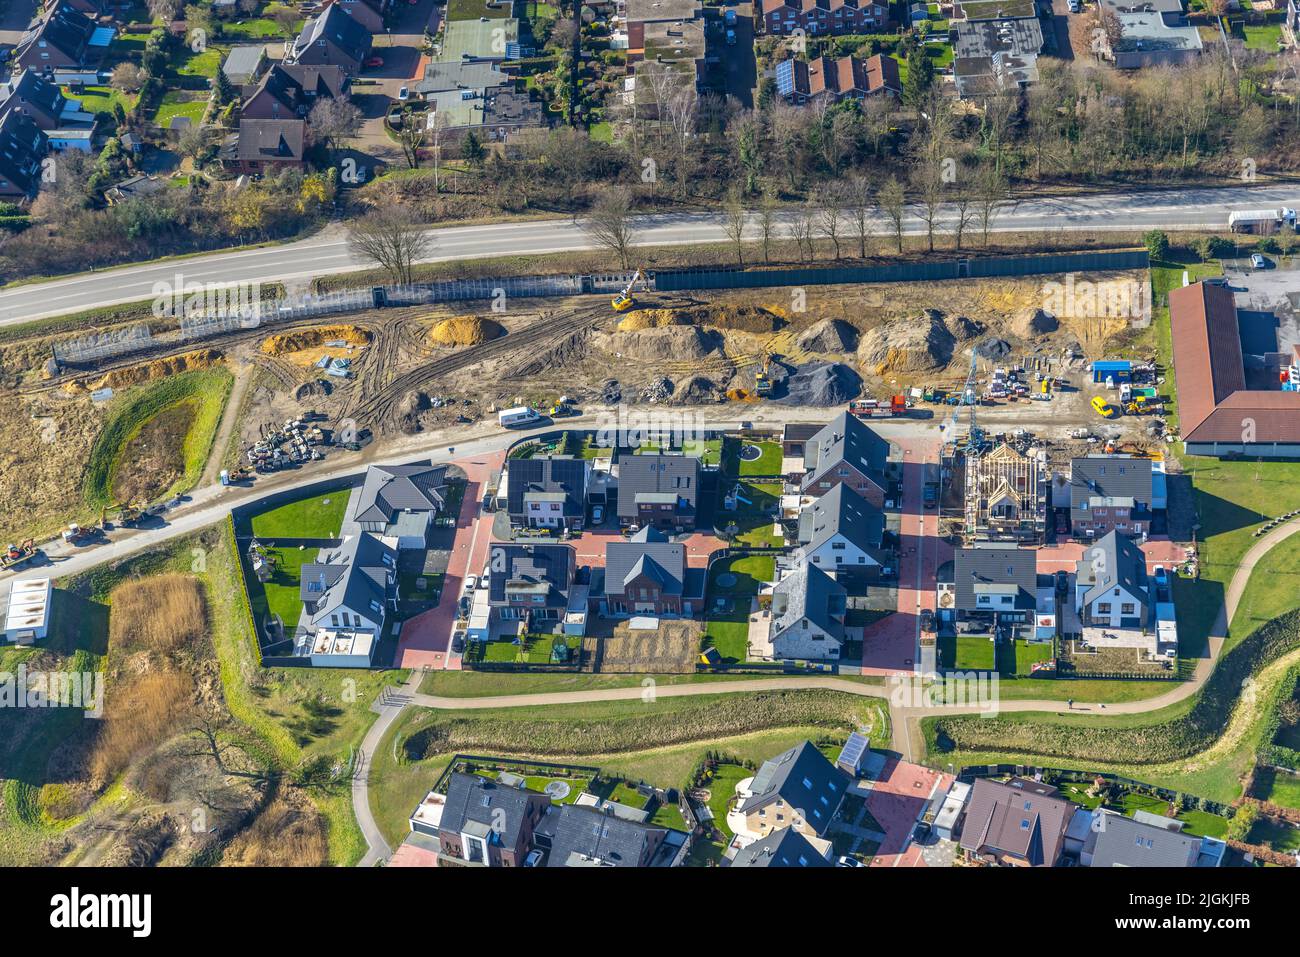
(317, 516)
(752, 522)
(975, 653)
(733, 583)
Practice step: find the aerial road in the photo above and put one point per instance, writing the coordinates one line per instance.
(297, 262)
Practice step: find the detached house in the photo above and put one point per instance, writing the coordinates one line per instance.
(265, 146)
(36, 97)
(658, 490)
(346, 596)
(530, 583)
(798, 789)
(784, 848)
(1017, 824)
(22, 147)
(368, 13)
(808, 613)
(332, 38)
(1110, 493)
(647, 575)
(846, 451)
(1006, 497)
(1111, 588)
(994, 591)
(841, 532)
(63, 39)
(547, 491)
(1115, 840)
(487, 824)
(399, 502)
(290, 91)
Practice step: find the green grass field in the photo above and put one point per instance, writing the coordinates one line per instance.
(968, 653)
(755, 527)
(767, 463)
(100, 99)
(320, 516)
(473, 9)
(1280, 788)
(177, 103)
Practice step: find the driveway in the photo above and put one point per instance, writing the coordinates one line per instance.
(897, 799)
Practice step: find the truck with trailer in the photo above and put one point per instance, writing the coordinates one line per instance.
(1261, 220)
(519, 415)
(879, 408)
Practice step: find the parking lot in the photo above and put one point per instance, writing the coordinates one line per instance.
(1268, 301)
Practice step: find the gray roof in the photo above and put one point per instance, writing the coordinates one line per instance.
(360, 571)
(982, 569)
(1113, 561)
(640, 476)
(473, 798)
(805, 780)
(1108, 476)
(782, 848)
(547, 473)
(446, 76)
(539, 569)
(650, 11)
(841, 511)
(648, 553)
(242, 61)
(337, 28)
(1124, 842)
(845, 439)
(391, 489)
(35, 92)
(1019, 819)
(585, 837)
(808, 592)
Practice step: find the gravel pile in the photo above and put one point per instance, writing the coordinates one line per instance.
(822, 384)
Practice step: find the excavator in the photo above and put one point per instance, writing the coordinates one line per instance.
(763, 377)
(15, 555)
(624, 301)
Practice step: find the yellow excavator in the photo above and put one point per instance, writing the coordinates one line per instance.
(624, 301)
(763, 377)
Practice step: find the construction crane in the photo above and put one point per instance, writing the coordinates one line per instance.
(624, 301)
(974, 435)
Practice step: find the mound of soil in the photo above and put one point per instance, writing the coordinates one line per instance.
(157, 369)
(994, 349)
(652, 319)
(829, 335)
(1033, 322)
(822, 384)
(697, 389)
(285, 342)
(737, 318)
(920, 344)
(666, 344)
(465, 331)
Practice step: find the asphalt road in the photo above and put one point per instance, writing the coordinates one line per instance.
(328, 253)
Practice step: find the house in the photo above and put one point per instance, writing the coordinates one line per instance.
(809, 608)
(1006, 497)
(784, 847)
(133, 187)
(1110, 493)
(1019, 823)
(91, 8)
(547, 491)
(846, 451)
(1111, 589)
(995, 56)
(530, 583)
(1115, 840)
(846, 77)
(842, 533)
(27, 611)
(62, 39)
(798, 788)
(795, 436)
(572, 835)
(1144, 33)
(995, 591)
(245, 64)
(647, 575)
(1217, 411)
(658, 490)
(399, 502)
(638, 14)
(332, 38)
(346, 596)
(820, 17)
(22, 148)
(265, 146)
(290, 91)
(487, 824)
(369, 13)
(472, 79)
(36, 96)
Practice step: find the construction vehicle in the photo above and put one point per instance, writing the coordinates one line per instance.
(624, 301)
(1104, 408)
(17, 555)
(128, 515)
(763, 377)
(76, 534)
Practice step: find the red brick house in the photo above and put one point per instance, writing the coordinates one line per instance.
(289, 91)
(821, 17)
(647, 575)
(488, 824)
(59, 41)
(847, 77)
(265, 146)
(847, 451)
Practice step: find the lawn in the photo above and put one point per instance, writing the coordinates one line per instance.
(1280, 788)
(750, 572)
(728, 630)
(1266, 36)
(281, 595)
(100, 99)
(755, 525)
(178, 103)
(536, 649)
(258, 29)
(207, 63)
(1198, 823)
(968, 653)
(320, 516)
(486, 684)
(768, 462)
(473, 9)
(730, 636)
(1277, 836)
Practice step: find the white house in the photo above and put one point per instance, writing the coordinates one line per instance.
(841, 532)
(1111, 585)
(346, 598)
(808, 612)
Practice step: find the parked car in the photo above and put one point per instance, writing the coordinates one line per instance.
(471, 582)
(846, 861)
(374, 62)
(458, 641)
(1075, 6)
(465, 605)
(1062, 523)
(597, 514)
(533, 859)
(927, 619)
(1257, 261)
(403, 94)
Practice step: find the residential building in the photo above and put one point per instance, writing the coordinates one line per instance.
(1110, 493)
(1115, 840)
(469, 41)
(133, 187)
(470, 79)
(835, 79)
(62, 39)
(647, 575)
(842, 533)
(332, 38)
(91, 8)
(371, 14)
(638, 14)
(1020, 823)
(547, 491)
(22, 148)
(1218, 411)
(1006, 497)
(289, 91)
(245, 64)
(847, 451)
(399, 502)
(992, 56)
(36, 96)
(798, 788)
(785, 847)
(994, 591)
(794, 437)
(1111, 588)
(809, 608)
(1146, 33)
(658, 490)
(530, 583)
(820, 17)
(346, 597)
(572, 835)
(487, 824)
(265, 146)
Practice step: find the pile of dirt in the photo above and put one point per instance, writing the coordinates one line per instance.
(737, 318)
(658, 390)
(829, 336)
(149, 371)
(285, 342)
(652, 319)
(465, 331)
(994, 349)
(669, 343)
(1033, 322)
(822, 384)
(697, 389)
(922, 343)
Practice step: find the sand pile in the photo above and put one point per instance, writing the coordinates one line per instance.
(1033, 322)
(465, 331)
(822, 384)
(666, 344)
(652, 319)
(829, 336)
(149, 371)
(285, 342)
(922, 343)
(737, 318)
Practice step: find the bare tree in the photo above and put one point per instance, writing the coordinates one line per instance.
(609, 224)
(929, 200)
(286, 18)
(803, 228)
(165, 11)
(734, 217)
(393, 239)
(991, 195)
(893, 203)
(963, 204)
(127, 77)
(767, 221)
(334, 120)
(857, 203)
(828, 216)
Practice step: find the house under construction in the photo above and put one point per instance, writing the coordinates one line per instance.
(1006, 496)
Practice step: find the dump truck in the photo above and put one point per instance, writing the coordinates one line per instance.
(16, 556)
